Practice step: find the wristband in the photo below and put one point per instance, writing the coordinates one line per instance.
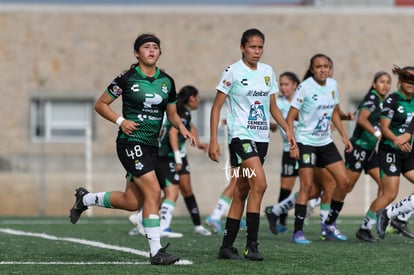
(377, 133)
(177, 157)
(119, 120)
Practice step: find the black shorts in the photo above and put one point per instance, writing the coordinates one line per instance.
(361, 158)
(245, 149)
(186, 167)
(318, 156)
(136, 158)
(166, 171)
(290, 166)
(393, 162)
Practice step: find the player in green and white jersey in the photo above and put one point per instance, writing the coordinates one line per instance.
(248, 87)
(365, 137)
(147, 92)
(396, 158)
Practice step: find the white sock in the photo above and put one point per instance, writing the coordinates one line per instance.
(167, 210)
(324, 211)
(315, 202)
(97, 199)
(221, 208)
(285, 205)
(153, 233)
(405, 205)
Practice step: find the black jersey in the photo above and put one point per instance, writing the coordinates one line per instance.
(373, 103)
(165, 146)
(144, 100)
(400, 110)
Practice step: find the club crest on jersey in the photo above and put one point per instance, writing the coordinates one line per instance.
(267, 80)
(164, 88)
(333, 94)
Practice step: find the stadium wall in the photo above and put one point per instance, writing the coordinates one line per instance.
(75, 51)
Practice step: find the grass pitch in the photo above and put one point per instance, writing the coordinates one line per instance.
(43, 245)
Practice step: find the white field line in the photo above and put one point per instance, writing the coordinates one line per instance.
(84, 242)
(74, 263)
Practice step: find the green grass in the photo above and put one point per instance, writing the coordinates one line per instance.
(34, 255)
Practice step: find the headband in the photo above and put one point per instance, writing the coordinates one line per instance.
(139, 42)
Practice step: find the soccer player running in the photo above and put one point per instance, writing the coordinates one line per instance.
(147, 92)
(364, 140)
(315, 104)
(248, 86)
(396, 158)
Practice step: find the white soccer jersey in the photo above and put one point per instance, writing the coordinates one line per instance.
(284, 106)
(315, 104)
(248, 100)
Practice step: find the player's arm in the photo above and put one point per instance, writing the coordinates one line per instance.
(214, 148)
(364, 123)
(336, 119)
(175, 120)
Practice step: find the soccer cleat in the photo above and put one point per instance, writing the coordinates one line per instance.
(167, 232)
(272, 219)
(401, 227)
(163, 257)
(299, 238)
(229, 253)
(252, 252)
(78, 207)
(333, 233)
(365, 235)
(215, 224)
(201, 230)
(281, 228)
(382, 222)
(138, 229)
(243, 225)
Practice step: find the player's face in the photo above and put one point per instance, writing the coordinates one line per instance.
(320, 69)
(407, 88)
(148, 54)
(193, 102)
(382, 85)
(287, 86)
(252, 51)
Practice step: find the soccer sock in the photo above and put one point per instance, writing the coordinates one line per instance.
(403, 206)
(369, 220)
(324, 211)
(252, 221)
(192, 208)
(300, 214)
(221, 207)
(284, 193)
(167, 209)
(98, 199)
(336, 207)
(315, 202)
(153, 232)
(230, 232)
(285, 205)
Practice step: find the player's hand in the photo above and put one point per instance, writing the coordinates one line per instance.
(214, 151)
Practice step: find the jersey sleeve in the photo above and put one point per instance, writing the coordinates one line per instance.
(369, 103)
(389, 107)
(226, 81)
(172, 96)
(298, 98)
(274, 88)
(117, 85)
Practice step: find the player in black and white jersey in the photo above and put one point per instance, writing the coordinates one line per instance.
(147, 92)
